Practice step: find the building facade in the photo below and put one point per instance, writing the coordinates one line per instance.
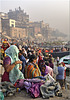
(21, 18)
(16, 25)
(17, 33)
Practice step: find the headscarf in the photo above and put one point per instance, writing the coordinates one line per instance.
(15, 73)
(40, 58)
(32, 57)
(5, 41)
(63, 63)
(5, 45)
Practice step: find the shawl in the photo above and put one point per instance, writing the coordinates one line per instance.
(32, 71)
(15, 73)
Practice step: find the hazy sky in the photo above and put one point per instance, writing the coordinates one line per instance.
(53, 12)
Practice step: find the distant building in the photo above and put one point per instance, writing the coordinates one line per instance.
(3, 15)
(7, 23)
(35, 27)
(17, 33)
(21, 18)
(16, 25)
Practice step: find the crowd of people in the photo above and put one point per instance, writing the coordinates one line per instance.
(26, 62)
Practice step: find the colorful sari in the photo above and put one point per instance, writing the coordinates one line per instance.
(32, 70)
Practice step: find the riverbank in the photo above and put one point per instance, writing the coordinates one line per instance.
(24, 96)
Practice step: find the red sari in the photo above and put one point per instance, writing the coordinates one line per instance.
(5, 76)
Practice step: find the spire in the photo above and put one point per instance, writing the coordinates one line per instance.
(19, 8)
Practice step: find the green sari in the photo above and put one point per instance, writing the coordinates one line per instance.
(15, 73)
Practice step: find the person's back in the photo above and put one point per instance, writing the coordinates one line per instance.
(49, 70)
(32, 70)
(60, 76)
(60, 73)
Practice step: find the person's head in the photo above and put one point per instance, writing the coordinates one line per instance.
(26, 57)
(12, 52)
(46, 55)
(33, 58)
(43, 68)
(50, 61)
(47, 63)
(5, 43)
(62, 63)
(41, 62)
(12, 43)
(23, 50)
(50, 56)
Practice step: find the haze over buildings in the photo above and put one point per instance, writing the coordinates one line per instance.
(16, 24)
(54, 12)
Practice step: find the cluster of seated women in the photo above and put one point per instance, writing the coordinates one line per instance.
(14, 62)
(17, 66)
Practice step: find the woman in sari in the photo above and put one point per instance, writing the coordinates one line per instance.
(32, 69)
(5, 45)
(12, 65)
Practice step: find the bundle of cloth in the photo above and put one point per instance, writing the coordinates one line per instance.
(32, 86)
(7, 88)
(51, 88)
(37, 87)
